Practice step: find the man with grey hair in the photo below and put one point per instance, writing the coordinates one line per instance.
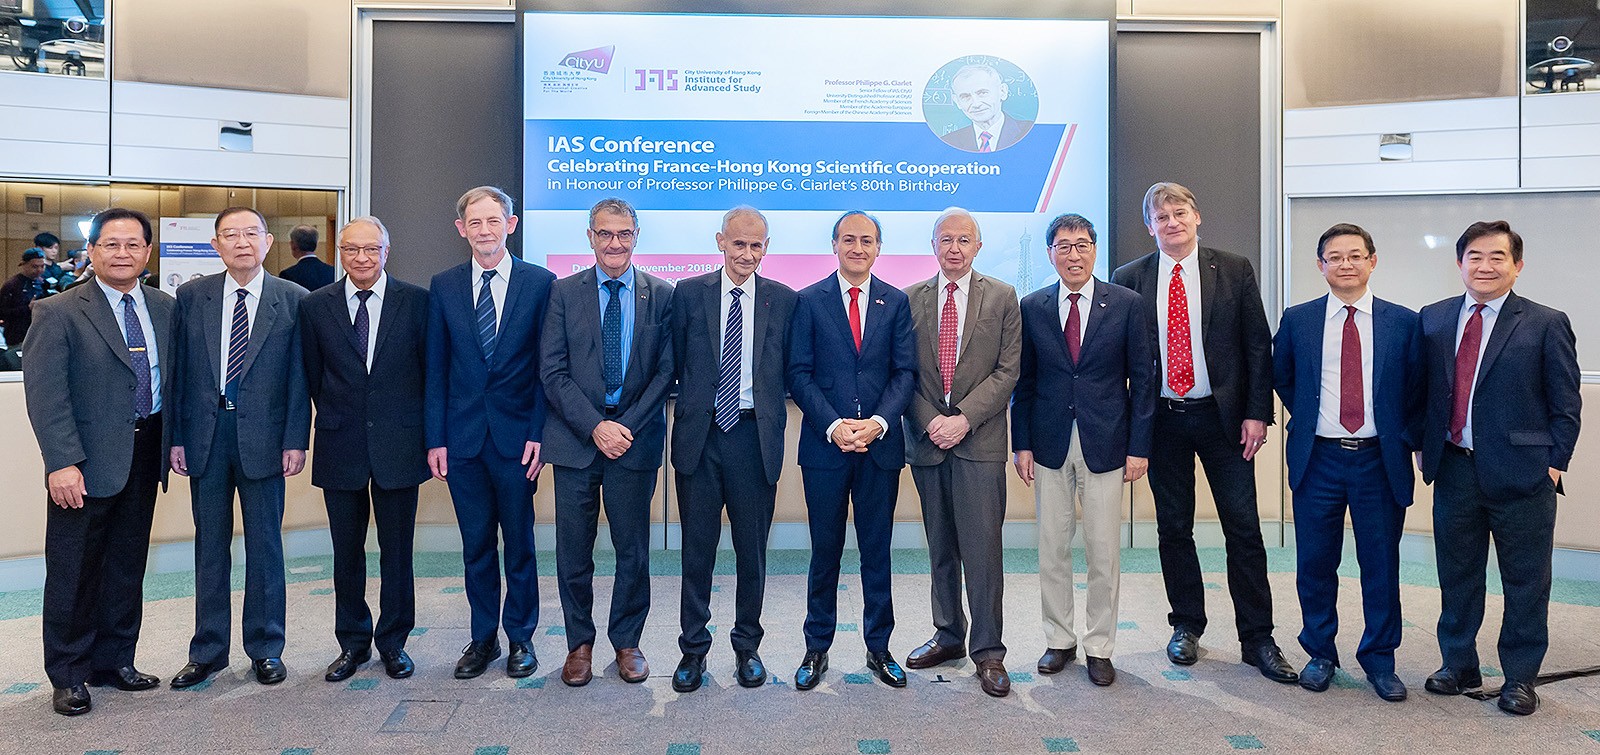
(484, 422)
(308, 270)
(606, 430)
(980, 92)
(730, 336)
(365, 360)
(956, 444)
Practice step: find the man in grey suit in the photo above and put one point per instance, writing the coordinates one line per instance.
(606, 365)
(241, 421)
(730, 342)
(103, 458)
(969, 348)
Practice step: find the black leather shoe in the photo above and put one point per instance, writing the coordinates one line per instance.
(520, 662)
(269, 670)
(475, 658)
(1387, 685)
(74, 700)
(346, 664)
(397, 664)
(1184, 647)
(1447, 681)
(194, 673)
(1101, 672)
(1056, 659)
(1269, 660)
(691, 671)
(812, 667)
(1318, 674)
(127, 679)
(750, 671)
(931, 654)
(886, 669)
(1516, 698)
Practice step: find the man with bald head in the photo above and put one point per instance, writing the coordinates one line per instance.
(969, 348)
(730, 332)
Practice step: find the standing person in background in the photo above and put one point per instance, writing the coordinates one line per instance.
(308, 270)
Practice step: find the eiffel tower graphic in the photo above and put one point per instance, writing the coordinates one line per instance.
(1025, 264)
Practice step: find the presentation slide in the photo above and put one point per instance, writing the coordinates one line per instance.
(804, 118)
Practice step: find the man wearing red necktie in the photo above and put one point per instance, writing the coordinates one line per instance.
(1502, 419)
(1215, 403)
(1348, 368)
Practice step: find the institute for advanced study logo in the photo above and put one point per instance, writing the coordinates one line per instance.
(597, 60)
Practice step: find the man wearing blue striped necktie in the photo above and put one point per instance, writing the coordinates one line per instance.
(730, 335)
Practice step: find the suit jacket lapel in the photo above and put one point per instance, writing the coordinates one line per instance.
(836, 306)
(871, 295)
(211, 326)
(394, 311)
(1050, 308)
(1311, 340)
(763, 315)
(1384, 342)
(105, 321)
(161, 323)
(1505, 322)
(1447, 344)
(974, 304)
(1096, 314)
(641, 306)
(339, 309)
(715, 326)
(266, 314)
(1207, 265)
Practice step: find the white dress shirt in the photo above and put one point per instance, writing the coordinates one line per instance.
(1328, 425)
(962, 293)
(1491, 313)
(1191, 287)
(863, 303)
(374, 309)
(747, 336)
(252, 302)
(1064, 306)
(114, 297)
(497, 285)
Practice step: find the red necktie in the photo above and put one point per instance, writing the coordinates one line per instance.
(1352, 406)
(855, 317)
(1074, 332)
(1180, 353)
(1466, 370)
(948, 337)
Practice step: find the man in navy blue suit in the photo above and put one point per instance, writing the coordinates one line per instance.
(1348, 368)
(1502, 419)
(852, 370)
(484, 421)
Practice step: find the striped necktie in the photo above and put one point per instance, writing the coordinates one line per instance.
(486, 325)
(732, 359)
(238, 344)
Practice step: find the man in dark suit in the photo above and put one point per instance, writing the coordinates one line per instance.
(969, 348)
(241, 422)
(484, 423)
(1082, 420)
(308, 271)
(607, 351)
(730, 342)
(1215, 402)
(18, 294)
(1502, 419)
(103, 458)
(852, 371)
(1348, 368)
(366, 363)
(980, 92)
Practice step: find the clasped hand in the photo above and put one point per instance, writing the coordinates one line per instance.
(854, 435)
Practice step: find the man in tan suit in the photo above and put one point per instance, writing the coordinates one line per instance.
(969, 351)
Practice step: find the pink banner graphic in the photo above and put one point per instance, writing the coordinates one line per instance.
(794, 270)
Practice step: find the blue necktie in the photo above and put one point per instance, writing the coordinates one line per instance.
(486, 327)
(137, 355)
(728, 378)
(238, 343)
(364, 322)
(611, 337)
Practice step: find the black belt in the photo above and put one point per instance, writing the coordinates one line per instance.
(612, 410)
(1467, 452)
(224, 403)
(145, 423)
(744, 414)
(1350, 444)
(1186, 404)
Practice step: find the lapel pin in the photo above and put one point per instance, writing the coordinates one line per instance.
(1102, 304)
(878, 301)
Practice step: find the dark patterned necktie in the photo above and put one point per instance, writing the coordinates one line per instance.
(137, 354)
(1466, 373)
(238, 344)
(611, 337)
(732, 359)
(363, 323)
(486, 326)
(1074, 327)
(1352, 397)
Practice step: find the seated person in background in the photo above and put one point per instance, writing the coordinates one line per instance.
(50, 245)
(17, 295)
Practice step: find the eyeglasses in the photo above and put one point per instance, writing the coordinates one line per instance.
(248, 234)
(605, 237)
(115, 247)
(1081, 247)
(1341, 261)
(367, 251)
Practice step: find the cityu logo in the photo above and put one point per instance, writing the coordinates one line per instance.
(597, 60)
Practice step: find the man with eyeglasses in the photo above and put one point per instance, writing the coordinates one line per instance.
(1215, 403)
(1349, 450)
(103, 458)
(607, 367)
(241, 423)
(1081, 429)
(366, 361)
(484, 423)
(969, 343)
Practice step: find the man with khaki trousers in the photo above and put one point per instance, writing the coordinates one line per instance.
(969, 346)
(1081, 427)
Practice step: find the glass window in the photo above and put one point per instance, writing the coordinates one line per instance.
(64, 37)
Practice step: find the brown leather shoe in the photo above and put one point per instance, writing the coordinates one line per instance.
(993, 678)
(1101, 672)
(631, 666)
(932, 654)
(1056, 659)
(579, 668)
